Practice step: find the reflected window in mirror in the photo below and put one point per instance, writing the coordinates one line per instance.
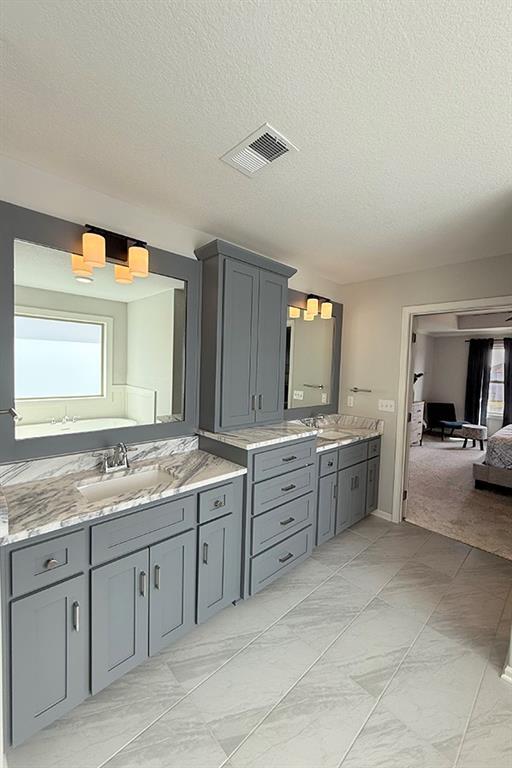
(309, 359)
(94, 355)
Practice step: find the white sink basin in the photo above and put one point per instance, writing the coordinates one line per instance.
(330, 434)
(128, 480)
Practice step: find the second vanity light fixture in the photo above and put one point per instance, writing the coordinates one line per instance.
(314, 305)
(130, 257)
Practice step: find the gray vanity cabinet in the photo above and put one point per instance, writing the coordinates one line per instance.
(372, 487)
(351, 505)
(219, 565)
(120, 613)
(172, 590)
(326, 521)
(244, 300)
(49, 655)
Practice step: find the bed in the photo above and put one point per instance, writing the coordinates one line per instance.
(496, 468)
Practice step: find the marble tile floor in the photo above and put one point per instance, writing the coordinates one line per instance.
(382, 650)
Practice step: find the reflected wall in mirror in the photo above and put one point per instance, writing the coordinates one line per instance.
(309, 360)
(94, 355)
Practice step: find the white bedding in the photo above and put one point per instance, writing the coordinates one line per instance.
(499, 449)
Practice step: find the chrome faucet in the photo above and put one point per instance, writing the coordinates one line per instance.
(314, 421)
(112, 461)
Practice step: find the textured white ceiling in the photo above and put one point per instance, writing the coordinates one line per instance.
(402, 110)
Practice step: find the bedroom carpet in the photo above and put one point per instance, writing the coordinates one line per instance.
(442, 497)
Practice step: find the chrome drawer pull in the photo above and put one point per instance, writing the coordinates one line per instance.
(143, 583)
(205, 553)
(289, 487)
(289, 458)
(51, 563)
(286, 557)
(288, 521)
(157, 577)
(76, 616)
(330, 463)
(260, 402)
(219, 503)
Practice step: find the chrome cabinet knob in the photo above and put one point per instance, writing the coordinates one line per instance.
(51, 563)
(218, 503)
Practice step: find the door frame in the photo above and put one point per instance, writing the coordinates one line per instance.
(408, 315)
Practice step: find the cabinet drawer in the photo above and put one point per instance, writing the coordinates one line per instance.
(328, 463)
(216, 502)
(274, 526)
(278, 460)
(352, 454)
(126, 534)
(278, 560)
(42, 564)
(374, 448)
(279, 490)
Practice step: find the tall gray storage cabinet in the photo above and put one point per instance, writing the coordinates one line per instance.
(245, 297)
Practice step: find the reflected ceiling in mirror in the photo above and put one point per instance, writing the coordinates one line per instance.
(94, 355)
(309, 360)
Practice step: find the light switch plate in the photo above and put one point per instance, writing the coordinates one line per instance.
(350, 401)
(387, 405)
(324, 397)
(298, 394)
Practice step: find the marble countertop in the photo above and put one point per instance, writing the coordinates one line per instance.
(250, 438)
(347, 435)
(42, 506)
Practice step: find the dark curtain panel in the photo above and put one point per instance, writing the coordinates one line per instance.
(507, 410)
(477, 382)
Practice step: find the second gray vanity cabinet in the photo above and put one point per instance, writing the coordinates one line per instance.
(351, 503)
(326, 518)
(120, 613)
(372, 486)
(49, 655)
(272, 303)
(172, 590)
(219, 565)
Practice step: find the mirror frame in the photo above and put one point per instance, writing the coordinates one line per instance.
(298, 299)
(17, 223)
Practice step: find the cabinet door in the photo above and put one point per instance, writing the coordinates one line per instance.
(326, 523)
(219, 565)
(172, 590)
(271, 346)
(49, 655)
(119, 598)
(239, 344)
(351, 496)
(372, 487)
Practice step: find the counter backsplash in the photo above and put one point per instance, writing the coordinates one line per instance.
(56, 466)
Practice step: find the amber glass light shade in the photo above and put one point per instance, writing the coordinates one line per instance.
(79, 268)
(293, 313)
(138, 260)
(312, 306)
(122, 274)
(326, 310)
(307, 316)
(93, 247)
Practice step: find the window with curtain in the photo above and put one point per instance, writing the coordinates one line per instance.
(497, 381)
(56, 358)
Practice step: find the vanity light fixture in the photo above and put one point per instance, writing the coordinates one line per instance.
(81, 270)
(293, 313)
(326, 310)
(312, 305)
(122, 274)
(308, 316)
(93, 248)
(138, 260)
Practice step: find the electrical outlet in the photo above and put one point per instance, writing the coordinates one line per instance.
(324, 398)
(350, 401)
(387, 405)
(298, 394)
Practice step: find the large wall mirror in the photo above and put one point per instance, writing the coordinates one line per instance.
(313, 353)
(88, 360)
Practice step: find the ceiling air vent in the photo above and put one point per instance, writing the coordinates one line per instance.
(258, 150)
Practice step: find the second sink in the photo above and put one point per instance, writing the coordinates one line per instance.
(108, 486)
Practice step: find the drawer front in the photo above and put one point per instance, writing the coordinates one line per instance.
(279, 490)
(275, 562)
(278, 460)
(216, 502)
(279, 523)
(127, 534)
(328, 463)
(42, 564)
(374, 448)
(352, 454)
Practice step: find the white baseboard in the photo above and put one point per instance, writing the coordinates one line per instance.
(507, 674)
(383, 515)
